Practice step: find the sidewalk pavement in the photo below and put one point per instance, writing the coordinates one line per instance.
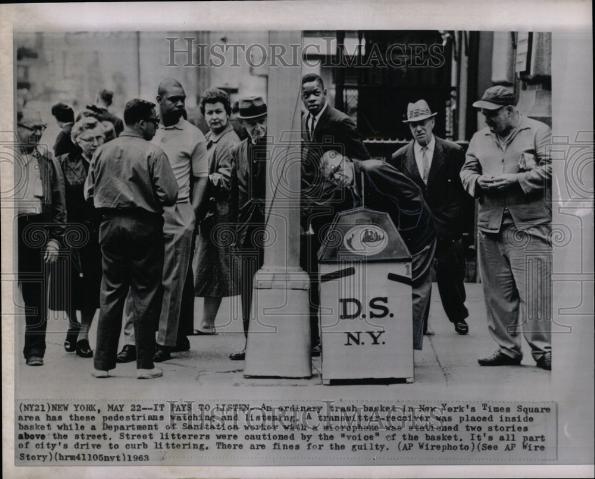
(446, 368)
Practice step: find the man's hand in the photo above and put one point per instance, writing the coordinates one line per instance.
(485, 182)
(51, 251)
(503, 181)
(496, 183)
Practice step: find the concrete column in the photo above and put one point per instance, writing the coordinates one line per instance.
(279, 334)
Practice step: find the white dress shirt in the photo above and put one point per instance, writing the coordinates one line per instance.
(311, 118)
(419, 158)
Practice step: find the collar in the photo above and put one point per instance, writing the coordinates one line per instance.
(317, 117)
(210, 136)
(523, 125)
(176, 126)
(27, 156)
(130, 132)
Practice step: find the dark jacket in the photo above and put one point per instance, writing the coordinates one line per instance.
(53, 203)
(383, 188)
(248, 191)
(334, 131)
(64, 144)
(444, 192)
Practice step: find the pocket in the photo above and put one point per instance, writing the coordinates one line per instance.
(527, 161)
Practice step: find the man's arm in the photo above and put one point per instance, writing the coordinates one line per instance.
(165, 185)
(56, 230)
(472, 179)
(537, 178)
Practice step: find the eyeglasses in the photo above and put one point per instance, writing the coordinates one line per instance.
(33, 128)
(337, 170)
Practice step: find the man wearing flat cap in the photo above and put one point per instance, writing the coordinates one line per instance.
(247, 201)
(41, 215)
(434, 164)
(508, 168)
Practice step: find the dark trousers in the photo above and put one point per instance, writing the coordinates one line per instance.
(310, 244)
(132, 259)
(186, 324)
(250, 260)
(33, 279)
(450, 275)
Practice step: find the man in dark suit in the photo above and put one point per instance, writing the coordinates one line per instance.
(324, 128)
(378, 186)
(434, 165)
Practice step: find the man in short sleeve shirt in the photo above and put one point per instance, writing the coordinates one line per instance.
(186, 149)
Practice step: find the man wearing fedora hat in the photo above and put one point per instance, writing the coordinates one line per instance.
(247, 201)
(434, 165)
(508, 168)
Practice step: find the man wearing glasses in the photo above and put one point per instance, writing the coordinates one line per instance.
(381, 187)
(131, 181)
(41, 216)
(186, 150)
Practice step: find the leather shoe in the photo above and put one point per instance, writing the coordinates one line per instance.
(238, 356)
(198, 332)
(183, 345)
(127, 355)
(100, 373)
(545, 362)
(34, 361)
(499, 359)
(161, 354)
(83, 349)
(461, 327)
(70, 341)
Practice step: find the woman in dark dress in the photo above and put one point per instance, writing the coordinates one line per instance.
(81, 236)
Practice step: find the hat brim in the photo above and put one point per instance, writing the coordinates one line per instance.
(487, 105)
(252, 117)
(420, 118)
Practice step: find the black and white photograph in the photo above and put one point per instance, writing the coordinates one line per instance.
(271, 239)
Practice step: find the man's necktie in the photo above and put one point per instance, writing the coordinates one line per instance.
(425, 160)
(311, 126)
